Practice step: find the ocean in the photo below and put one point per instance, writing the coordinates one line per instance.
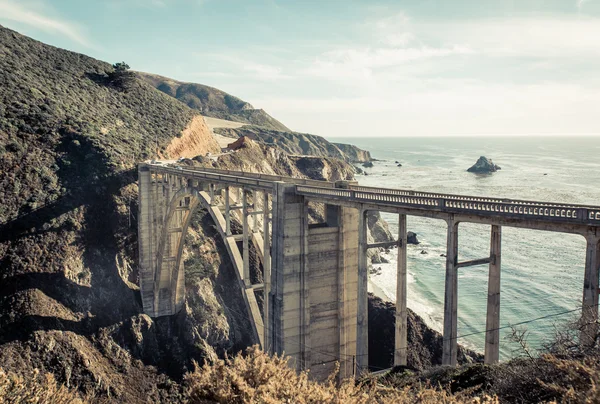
(542, 272)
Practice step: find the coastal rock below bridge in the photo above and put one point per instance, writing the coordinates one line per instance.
(411, 238)
(484, 166)
(424, 343)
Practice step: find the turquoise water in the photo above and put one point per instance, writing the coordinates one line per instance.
(542, 272)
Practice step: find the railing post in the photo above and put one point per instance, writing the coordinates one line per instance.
(450, 344)
(401, 346)
(362, 324)
(492, 337)
(589, 314)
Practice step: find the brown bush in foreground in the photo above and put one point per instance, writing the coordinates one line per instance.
(258, 378)
(34, 389)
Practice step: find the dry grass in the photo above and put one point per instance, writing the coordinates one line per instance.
(257, 378)
(36, 388)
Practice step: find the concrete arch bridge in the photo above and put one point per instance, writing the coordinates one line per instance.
(315, 275)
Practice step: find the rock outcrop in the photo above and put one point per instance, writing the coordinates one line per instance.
(292, 143)
(240, 143)
(484, 166)
(411, 238)
(196, 139)
(354, 154)
(424, 344)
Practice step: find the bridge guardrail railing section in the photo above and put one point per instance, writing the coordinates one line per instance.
(218, 178)
(264, 177)
(545, 211)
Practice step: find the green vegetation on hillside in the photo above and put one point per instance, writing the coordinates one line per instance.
(55, 108)
(69, 142)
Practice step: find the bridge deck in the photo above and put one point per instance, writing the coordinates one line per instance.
(420, 203)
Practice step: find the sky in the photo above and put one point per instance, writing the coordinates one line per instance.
(349, 68)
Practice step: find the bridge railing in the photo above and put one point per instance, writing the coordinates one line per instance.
(469, 198)
(213, 177)
(265, 177)
(545, 211)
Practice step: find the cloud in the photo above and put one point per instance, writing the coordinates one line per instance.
(446, 107)
(235, 66)
(550, 36)
(580, 4)
(369, 62)
(18, 12)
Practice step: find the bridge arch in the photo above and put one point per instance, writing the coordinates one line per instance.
(169, 277)
(320, 273)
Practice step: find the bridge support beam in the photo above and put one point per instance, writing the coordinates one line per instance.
(362, 322)
(492, 325)
(401, 344)
(450, 344)
(147, 236)
(589, 314)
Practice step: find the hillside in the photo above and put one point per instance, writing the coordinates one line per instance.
(213, 102)
(69, 304)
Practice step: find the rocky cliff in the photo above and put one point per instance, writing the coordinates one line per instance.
(353, 153)
(290, 142)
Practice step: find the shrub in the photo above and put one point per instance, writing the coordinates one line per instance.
(258, 378)
(121, 77)
(36, 388)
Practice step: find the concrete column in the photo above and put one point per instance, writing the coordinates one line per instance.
(362, 323)
(147, 257)
(492, 325)
(401, 346)
(589, 314)
(245, 239)
(266, 269)
(347, 289)
(450, 344)
(211, 190)
(255, 198)
(227, 212)
(287, 303)
(305, 358)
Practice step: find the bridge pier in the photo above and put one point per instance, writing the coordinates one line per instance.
(492, 325)
(362, 320)
(589, 314)
(401, 345)
(312, 304)
(450, 344)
